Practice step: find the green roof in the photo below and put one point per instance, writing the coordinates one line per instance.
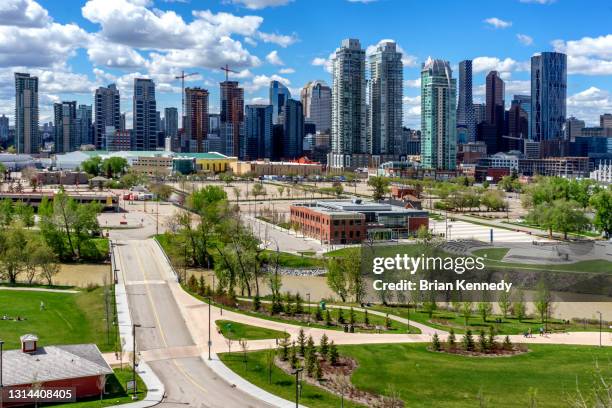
(210, 155)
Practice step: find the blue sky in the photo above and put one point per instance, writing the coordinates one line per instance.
(75, 46)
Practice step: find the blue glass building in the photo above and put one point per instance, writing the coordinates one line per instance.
(258, 132)
(548, 95)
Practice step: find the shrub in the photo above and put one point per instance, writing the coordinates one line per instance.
(468, 341)
(435, 342)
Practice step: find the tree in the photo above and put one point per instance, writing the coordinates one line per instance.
(6, 212)
(324, 345)
(568, 217)
(301, 341)
(466, 311)
(435, 342)
(337, 188)
(114, 166)
(13, 253)
(257, 190)
(484, 310)
(430, 307)
(92, 166)
(519, 307)
(328, 320)
(344, 275)
(227, 178)
(24, 213)
(482, 342)
(602, 204)
(380, 187)
(543, 301)
(451, 339)
(468, 341)
(333, 353)
(503, 301)
(493, 200)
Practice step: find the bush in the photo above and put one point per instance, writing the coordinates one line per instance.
(435, 342)
(468, 341)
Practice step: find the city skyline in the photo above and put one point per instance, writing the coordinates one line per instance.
(75, 50)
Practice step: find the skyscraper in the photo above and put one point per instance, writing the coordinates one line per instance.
(548, 95)
(479, 113)
(232, 117)
(4, 130)
(605, 120)
(279, 94)
(196, 116)
(65, 127)
(495, 111)
(525, 103)
(258, 131)
(518, 126)
(438, 116)
(84, 125)
(27, 139)
(316, 101)
(144, 115)
(108, 112)
(348, 104)
(465, 106)
(171, 122)
(385, 97)
(292, 119)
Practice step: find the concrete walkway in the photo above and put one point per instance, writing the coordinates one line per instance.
(38, 289)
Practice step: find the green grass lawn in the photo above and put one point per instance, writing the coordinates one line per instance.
(282, 384)
(68, 318)
(445, 319)
(427, 379)
(116, 392)
(495, 254)
(236, 331)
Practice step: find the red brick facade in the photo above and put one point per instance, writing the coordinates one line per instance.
(329, 227)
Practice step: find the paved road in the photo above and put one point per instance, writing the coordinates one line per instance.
(164, 340)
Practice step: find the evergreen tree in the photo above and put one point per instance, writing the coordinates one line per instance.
(468, 341)
(318, 369)
(452, 342)
(293, 356)
(284, 349)
(299, 304)
(482, 342)
(351, 316)
(192, 284)
(301, 341)
(318, 315)
(202, 286)
(311, 357)
(435, 342)
(324, 346)
(507, 343)
(328, 320)
(310, 345)
(333, 353)
(340, 316)
(492, 341)
(366, 318)
(288, 303)
(387, 322)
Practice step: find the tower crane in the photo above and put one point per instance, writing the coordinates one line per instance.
(227, 71)
(182, 78)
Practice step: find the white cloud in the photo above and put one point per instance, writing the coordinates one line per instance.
(250, 41)
(412, 111)
(524, 39)
(497, 22)
(589, 104)
(258, 100)
(286, 71)
(263, 81)
(326, 63)
(588, 55)
(23, 13)
(112, 55)
(278, 39)
(274, 59)
(485, 64)
(407, 59)
(260, 4)
(413, 83)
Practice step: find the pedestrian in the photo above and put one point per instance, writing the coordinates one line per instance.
(541, 331)
(530, 335)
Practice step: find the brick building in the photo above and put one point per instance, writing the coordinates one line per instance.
(351, 222)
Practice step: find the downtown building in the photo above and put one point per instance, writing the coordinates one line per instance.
(144, 115)
(349, 131)
(493, 130)
(465, 105)
(65, 127)
(171, 128)
(27, 138)
(107, 113)
(279, 95)
(385, 102)
(258, 132)
(231, 127)
(438, 116)
(84, 125)
(196, 119)
(292, 120)
(548, 95)
(316, 97)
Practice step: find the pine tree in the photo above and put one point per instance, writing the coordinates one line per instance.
(301, 341)
(387, 322)
(482, 342)
(318, 314)
(366, 318)
(299, 304)
(328, 321)
(284, 348)
(351, 316)
(293, 356)
(318, 369)
(202, 289)
(256, 303)
(507, 343)
(288, 303)
(340, 316)
(492, 341)
(310, 362)
(452, 342)
(192, 284)
(468, 341)
(324, 346)
(435, 342)
(310, 345)
(333, 353)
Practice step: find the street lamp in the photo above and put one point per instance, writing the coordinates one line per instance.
(1, 383)
(308, 294)
(297, 372)
(209, 341)
(600, 323)
(134, 326)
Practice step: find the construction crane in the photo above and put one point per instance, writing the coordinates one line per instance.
(227, 71)
(182, 78)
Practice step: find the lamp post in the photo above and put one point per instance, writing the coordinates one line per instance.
(209, 341)
(308, 294)
(1, 383)
(134, 326)
(600, 324)
(297, 372)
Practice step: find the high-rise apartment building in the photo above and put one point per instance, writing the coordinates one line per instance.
(495, 112)
(548, 95)
(65, 127)
(292, 119)
(258, 132)
(348, 104)
(605, 120)
(385, 100)
(84, 125)
(196, 118)
(4, 130)
(479, 113)
(279, 94)
(107, 112)
(232, 117)
(27, 138)
(573, 128)
(171, 122)
(316, 101)
(525, 103)
(144, 115)
(438, 116)
(465, 105)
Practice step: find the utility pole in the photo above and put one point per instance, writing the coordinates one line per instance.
(134, 326)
